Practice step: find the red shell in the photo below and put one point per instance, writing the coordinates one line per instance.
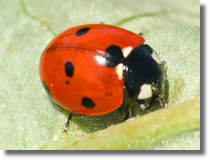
(91, 78)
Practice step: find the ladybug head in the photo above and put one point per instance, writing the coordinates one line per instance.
(144, 76)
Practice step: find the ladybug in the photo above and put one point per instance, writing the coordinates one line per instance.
(87, 69)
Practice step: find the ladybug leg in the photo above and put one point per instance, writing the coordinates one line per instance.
(69, 120)
(158, 99)
(142, 104)
(127, 112)
(152, 102)
(124, 111)
(67, 123)
(162, 101)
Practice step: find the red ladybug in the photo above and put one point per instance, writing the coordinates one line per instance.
(86, 69)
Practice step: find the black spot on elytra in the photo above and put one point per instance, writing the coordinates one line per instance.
(114, 56)
(69, 67)
(46, 89)
(82, 31)
(67, 82)
(88, 103)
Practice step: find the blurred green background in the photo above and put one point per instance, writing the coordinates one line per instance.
(29, 120)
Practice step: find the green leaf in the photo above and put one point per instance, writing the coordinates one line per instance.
(29, 120)
(150, 131)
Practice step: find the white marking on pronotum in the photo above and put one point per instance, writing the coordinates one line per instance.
(155, 57)
(145, 91)
(126, 51)
(119, 70)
